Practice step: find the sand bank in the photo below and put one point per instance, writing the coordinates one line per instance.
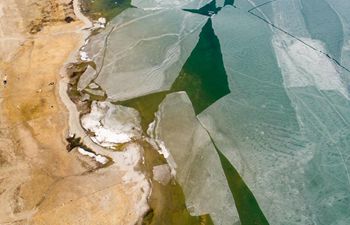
(40, 181)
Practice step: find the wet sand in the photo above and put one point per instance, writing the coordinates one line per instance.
(40, 181)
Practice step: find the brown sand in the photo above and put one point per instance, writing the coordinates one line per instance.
(40, 182)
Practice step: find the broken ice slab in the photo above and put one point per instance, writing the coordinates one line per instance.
(138, 61)
(198, 168)
(203, 84)
(111, 124)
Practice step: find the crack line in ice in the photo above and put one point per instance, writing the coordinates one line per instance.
(291, 35)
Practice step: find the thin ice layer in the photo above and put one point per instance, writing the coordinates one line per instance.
(139, 61)
(198, 168)
(255, 126)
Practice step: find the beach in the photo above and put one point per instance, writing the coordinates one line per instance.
(40, 181)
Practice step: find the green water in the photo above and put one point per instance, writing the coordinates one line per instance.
(104, 8)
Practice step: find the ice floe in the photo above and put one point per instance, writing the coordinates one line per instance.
(162, 174)
(99, 158)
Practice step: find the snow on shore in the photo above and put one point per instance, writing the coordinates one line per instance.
(112, 124)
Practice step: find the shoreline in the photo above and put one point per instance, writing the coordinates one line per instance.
(40, 182)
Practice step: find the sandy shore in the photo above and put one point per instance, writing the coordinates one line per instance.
(40, 182)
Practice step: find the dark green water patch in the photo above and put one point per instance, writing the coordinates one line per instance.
(203, 78)
(167, 202)
(229, 2)
(248, 208)
(104, 8)
(207, 10)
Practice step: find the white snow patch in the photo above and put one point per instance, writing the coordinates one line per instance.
(99, 158)
(84, 56)
(303, 66)
(112, 124)
(162, 174)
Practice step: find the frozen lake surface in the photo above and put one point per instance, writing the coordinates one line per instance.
(261, 85)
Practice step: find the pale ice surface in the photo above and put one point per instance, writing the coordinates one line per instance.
(86, 78)
(285, 126)
(144, 51)
(112, 124)
(342, 8)
(198, 168)
(99, 158)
